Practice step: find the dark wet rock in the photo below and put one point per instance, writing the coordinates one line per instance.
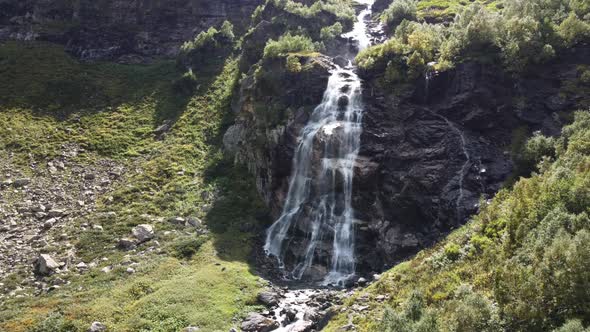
(290, 313)
(255, 322)
(126, 31)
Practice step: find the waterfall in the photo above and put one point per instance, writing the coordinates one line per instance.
(464, 169)
(319, 198)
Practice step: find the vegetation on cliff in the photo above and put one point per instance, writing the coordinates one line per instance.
(521, 264)
(520, 35)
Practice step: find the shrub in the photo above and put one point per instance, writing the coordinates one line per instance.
(573, 30)
(574, 325)
(581, 7)
(341, 9)
(289, 44)
(537, 147)
(331, 32)
(472, 311)
(293, 64)
(54, 322)
(452, 251)
(521, 42)
(398, 11)
(414, 317)
(473, 29)
(187, 247)
(207, 45)
(186, 84)
(585, 77)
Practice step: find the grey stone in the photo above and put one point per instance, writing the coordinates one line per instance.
(55, 213)
(177, 221)
(194, 222)
(45, 265)
(143, 232)
(255, 322)
(97, 327)
(126, 244)
(268, 298)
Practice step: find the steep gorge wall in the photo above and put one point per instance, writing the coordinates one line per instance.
(125, 30)
(428, 153)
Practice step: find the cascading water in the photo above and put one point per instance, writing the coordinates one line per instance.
(320, 189)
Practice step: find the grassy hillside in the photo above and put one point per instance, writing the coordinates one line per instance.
(521, 264)
(110, 111)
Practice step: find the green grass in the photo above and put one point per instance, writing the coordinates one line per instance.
(111, 111)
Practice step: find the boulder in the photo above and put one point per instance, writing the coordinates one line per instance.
(55, 213)
(126, 244)
(255, 322)
(177, 221)
(97, 327)
(268, 298)
(301, 326)
(194, 222)
(290, 313)
(143, 232)
(45, 265)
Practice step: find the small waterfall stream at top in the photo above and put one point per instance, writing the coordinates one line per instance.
(319, 198)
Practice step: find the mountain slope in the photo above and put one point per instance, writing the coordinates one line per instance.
(521, 264)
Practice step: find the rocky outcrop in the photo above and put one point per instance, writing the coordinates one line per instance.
(274, 105)
(122, 30)
(428, 154)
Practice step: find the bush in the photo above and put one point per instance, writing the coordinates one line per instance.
(473, 29)
(573, 30)
(452, 251)
(206, 46)
(398, 11)
(293, 64)
(289, 44)
(331, 32)
(572, 326)
(413, 318)
(54, 322)
(187, 247)
(472, 311)
(186, 84)
(536, 148)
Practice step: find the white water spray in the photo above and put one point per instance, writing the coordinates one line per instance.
(321, 197)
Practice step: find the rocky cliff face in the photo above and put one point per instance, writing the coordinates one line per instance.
(118, 29)
(428, 154)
